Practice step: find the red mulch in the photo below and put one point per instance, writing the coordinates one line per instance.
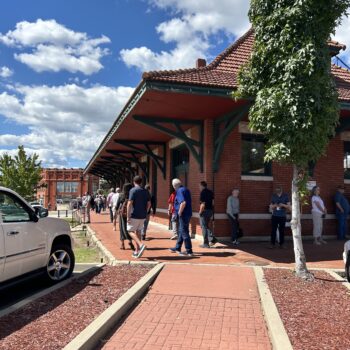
(316, 314)
(52, 321)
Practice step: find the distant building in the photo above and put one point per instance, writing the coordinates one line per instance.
(63, 185)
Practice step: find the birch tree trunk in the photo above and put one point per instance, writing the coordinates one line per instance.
(300, 261)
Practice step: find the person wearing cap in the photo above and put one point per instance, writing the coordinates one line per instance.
(342, 209)
(279, 205)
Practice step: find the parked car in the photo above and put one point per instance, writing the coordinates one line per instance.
(346, 258)
(31, 242)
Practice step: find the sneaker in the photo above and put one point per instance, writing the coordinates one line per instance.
(204, 246)
(213, 242)
(317, 242)
(134, 255)
(186, 254)
(323, 241)
(142, 249)
(173, 237)
(271, 246)
(174, 250)
(235, 242)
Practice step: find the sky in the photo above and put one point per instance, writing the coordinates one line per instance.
(67, 67)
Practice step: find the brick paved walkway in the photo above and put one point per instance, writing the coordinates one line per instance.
(196, 307)
(247, 253)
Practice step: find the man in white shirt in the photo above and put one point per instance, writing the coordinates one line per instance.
(114, 201)
(109, 203)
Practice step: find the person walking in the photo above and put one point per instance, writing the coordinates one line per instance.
(319, 212)
(173, 217)
(109, 203)
(114, 202)
(138, 206)
(342, 209)
(151, 209)
(183, 208)
(120, 211)
(206, 206)
(232, 211)
(279, 205)
(86, 204)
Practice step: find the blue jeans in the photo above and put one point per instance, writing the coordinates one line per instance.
(145, 226)
(184, 234)
(342, 225)
(204, 220)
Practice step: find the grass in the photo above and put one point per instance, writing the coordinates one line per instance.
(83, 252)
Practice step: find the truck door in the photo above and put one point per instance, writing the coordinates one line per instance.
(2, 251)
(21, 239)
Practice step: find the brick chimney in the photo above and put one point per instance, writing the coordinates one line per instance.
(201, 62)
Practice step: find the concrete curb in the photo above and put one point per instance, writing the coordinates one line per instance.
(44, 292)
(278, 335)
(338, 278)
(90, 336)
(107, 255)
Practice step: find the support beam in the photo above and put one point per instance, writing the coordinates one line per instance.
(222, 128)
(130, 156)
(194, 146)
(145, 147)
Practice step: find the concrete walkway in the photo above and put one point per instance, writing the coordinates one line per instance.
(197, 307)
(246, 254)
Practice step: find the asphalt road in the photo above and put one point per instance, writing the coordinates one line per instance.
(25, 289)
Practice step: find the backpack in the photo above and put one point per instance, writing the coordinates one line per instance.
(123, 208)
(92, 201)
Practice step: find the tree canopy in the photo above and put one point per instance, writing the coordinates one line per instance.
(289, 77)
(21, 173)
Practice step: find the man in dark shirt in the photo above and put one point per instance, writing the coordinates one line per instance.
(138, 206)
(341, 211)
(279, 206)
(205, 215)
(183, 209)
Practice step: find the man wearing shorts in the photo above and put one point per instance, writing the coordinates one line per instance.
(138, 206)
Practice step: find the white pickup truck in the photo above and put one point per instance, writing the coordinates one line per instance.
(30, 243)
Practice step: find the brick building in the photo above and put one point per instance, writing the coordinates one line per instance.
(185, 124)
(64, 185)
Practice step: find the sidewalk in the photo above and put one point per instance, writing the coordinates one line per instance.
(246, 254)
(197, 307)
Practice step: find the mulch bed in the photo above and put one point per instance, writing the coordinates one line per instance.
(316, 314)
(52, 321)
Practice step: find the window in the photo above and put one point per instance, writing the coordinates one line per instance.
(253, 152)
(67, 187)
(347, 160)
(12, 210)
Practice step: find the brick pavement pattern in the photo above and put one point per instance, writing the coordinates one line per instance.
(196, 307)
(247, 253)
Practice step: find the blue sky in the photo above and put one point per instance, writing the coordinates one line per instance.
(67, 67)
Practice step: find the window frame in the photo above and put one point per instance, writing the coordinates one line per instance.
(267, 166)
(346, 150)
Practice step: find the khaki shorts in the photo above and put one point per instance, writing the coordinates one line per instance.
(135, 225)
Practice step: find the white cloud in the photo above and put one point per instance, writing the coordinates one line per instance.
(53, 47)
(66, 122)
(5, 72)
(192, 31)
(342, 35)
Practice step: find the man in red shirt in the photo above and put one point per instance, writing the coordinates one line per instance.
(172, 215)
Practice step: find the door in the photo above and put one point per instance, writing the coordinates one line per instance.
(25, 244)
(2, 252)
(180, 163)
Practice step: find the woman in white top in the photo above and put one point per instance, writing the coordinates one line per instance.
(319, 212)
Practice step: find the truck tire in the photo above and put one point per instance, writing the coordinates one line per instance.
(347, 268)
(60, 264)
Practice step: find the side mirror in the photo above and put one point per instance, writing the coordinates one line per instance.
(43, 213)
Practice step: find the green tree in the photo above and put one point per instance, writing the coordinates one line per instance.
(295, 101)
(21, 173)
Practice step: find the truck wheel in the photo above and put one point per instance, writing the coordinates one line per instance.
(60, 264)
(347, 268)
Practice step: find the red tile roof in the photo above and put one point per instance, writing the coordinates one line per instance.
(222, 72)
